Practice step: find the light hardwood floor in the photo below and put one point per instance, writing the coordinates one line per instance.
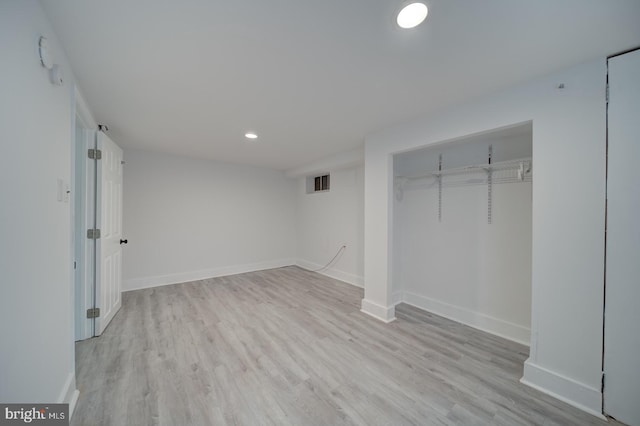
(287, 346)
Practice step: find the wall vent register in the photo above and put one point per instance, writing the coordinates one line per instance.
(320, 183)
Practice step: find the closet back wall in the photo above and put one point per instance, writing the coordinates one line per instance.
(189, 219)
(462, 267)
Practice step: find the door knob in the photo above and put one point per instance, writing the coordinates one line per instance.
(124, 241)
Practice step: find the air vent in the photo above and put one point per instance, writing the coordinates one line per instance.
(318, 183)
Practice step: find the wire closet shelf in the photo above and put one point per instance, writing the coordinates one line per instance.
(510, 171)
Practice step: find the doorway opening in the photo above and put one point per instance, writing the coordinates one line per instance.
(97, 229)
(621, 343)
(84, 220)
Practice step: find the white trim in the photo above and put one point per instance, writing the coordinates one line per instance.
(69, 394)
(382, 313)
(356, 280)
(67, 389)
(83, 111)
(157, 281)
(73, 401)
(498, 327)
(580, 395)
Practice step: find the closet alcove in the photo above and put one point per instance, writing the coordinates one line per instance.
(462, 230)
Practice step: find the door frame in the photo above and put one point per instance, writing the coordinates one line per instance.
(82, 262)
(606, 235)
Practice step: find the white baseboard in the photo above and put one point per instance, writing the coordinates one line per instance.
(73, 401)
(384, 314)
(498, 327)
(356, 280)
(183, 277)
(69, 394)
(584, 397)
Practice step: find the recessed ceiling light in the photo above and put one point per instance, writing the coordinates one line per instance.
(412, 15)
(250, 135)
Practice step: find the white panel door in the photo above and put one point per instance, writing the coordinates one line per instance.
(109, 221)
(84, 219)
(622, 314)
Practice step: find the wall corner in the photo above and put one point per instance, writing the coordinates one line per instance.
(385, 314)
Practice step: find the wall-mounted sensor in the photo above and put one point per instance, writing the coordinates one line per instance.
(103, 128)
(45, 56)
(55, 72)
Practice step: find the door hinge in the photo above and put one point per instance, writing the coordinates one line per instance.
(93, 234)
(607, 93)
(93, 313)
(602, 384)
(95, 154)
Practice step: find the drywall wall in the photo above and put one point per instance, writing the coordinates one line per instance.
(343, 160)
(463, 267)
(188, 219)
(328, 220)
(36, 122)
(569, 134)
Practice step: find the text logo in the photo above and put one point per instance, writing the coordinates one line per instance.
(34, 414)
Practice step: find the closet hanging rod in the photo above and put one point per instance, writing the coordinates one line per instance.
(502, 165)
(477, 182)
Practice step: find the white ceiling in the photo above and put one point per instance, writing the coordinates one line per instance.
(312, 78)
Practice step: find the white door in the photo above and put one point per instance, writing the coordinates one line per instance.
(84, 203)
(622, 315)
(109, 221)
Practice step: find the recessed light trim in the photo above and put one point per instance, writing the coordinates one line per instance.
(412, 15)
(251, 135)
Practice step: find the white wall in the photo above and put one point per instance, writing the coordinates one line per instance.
(569, 134)
(463, 267)
(189, 219)
(36, 311)
(327, 220)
